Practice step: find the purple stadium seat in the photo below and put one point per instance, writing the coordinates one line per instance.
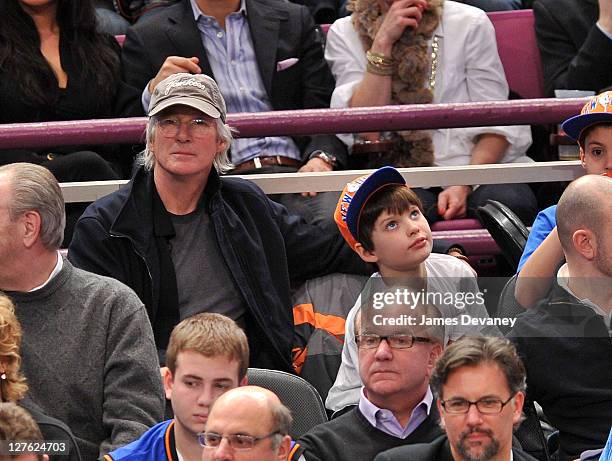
(518, 51)
(456, 224)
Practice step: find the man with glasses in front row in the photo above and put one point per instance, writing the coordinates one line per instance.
(480, 385)
(397, 352)
(247, 423)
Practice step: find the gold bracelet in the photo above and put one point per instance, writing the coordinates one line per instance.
(379, 59)
(379, 70)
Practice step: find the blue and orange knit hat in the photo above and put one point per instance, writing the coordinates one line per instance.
(354, 197)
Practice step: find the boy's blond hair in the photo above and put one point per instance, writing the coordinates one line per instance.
(211, 335)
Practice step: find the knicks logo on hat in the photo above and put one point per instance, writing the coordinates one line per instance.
(597, 110)
(355, 195)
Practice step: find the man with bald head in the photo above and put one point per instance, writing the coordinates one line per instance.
(565, 343)
(247, 423)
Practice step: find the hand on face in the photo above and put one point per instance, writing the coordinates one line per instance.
(399, 15)
(452, 202)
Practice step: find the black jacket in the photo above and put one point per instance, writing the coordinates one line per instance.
(567, 353)
(124, 236)
(438, 450)
(576, 55)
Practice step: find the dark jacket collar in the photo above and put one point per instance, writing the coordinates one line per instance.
(143, 210)
(568, 310)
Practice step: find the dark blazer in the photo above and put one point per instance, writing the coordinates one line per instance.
(576, 55)
(279, 30)
(438, 450)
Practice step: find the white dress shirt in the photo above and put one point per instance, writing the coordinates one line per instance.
(469, 70)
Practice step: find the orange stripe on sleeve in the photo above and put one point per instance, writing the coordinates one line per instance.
(304, 313)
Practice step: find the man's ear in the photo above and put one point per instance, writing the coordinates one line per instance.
(244, 381)
(221, 145)
(585, 243)
(168, 383)
(284, 448)
(582, 155)
(367, 255)
(434, 355)
(517, 412)
(440, 412)
(30, 223)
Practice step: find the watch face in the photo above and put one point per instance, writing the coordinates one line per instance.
(326, 157)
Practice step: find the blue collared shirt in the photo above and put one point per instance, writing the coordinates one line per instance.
(385, 421)
(232, 59)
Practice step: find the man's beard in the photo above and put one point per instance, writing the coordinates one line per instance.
(490, 450)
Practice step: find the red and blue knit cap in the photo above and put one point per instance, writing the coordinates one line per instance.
(355, 195)
(597, 110)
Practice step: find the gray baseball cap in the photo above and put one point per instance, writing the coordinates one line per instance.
(194, 90)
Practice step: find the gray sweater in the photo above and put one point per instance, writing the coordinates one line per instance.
(90, 359)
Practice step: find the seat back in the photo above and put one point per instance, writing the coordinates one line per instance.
(508, 306)
(296, 393)
(518, 51)
(530, 434)
(506, 228)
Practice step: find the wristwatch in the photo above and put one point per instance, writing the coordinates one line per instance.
(327, 158)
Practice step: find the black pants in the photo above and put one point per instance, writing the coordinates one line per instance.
(518, 197)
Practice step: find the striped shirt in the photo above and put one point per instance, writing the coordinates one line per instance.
(232, 59)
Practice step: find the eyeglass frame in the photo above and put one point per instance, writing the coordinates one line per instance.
(180, 123)
(254, 440)
(415, 339)
(475, 403)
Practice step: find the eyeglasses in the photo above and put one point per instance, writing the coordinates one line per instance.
(486, 406)
(369, 341)
(239, 442)
(169, 127)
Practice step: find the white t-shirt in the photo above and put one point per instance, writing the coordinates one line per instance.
(469, 70)
(446, 275)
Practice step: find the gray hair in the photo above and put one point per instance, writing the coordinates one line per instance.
(34, 188)
(221, 162)
(281, 420)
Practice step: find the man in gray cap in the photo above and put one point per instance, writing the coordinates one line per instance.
(187, 241)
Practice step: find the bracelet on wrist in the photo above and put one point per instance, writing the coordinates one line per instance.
(379, 59)
(379, 64)
(384, 71)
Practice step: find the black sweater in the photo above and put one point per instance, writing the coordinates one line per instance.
(351, 437)
(567, 353)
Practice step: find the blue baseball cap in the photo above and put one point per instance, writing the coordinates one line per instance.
(597, 110)
(354, 197)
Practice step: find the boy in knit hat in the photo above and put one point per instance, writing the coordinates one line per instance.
(382, 220)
